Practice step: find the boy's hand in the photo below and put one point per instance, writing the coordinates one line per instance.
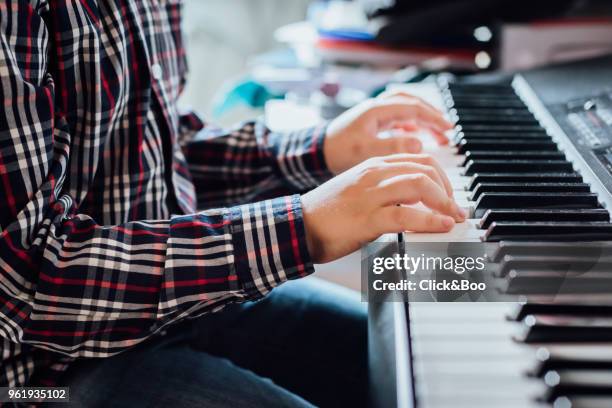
(355, 135)
(361, 204)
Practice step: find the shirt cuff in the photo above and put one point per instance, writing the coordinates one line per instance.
(301, 158)
(269, 243)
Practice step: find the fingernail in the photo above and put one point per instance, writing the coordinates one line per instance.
(448, 222)
(461, 212)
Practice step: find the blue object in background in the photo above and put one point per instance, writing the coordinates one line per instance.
(347, 35)
(246, 92)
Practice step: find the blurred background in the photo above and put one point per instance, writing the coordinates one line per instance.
(306, 60)
(221, 36)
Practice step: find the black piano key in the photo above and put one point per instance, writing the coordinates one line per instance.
(512, 155)
(517, 166)
(496, 112)
(578, 357)
(470, 88)
(484, 103)
(582, 401)
(508, 140)
(575, 249)
(549, 231)
(498, 128)
(565, 329)
(488, 201)
(579, 309)
(529, 187)
(526, 215)
(536, 136)
(555, 265)
(591, 298)
(480, 96)
(505, 144)
(566, 382)
(498, 177)
(521, 282)
(466, 120)
(464, 99)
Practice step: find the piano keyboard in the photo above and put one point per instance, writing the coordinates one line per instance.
(528, 198)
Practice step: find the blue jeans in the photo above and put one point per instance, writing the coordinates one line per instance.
(304, 344)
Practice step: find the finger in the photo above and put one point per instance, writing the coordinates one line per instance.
(414, 188)
(399, 109)
(396, 142)
(440, 137)
(426, 160)
(412, 126)
(404, 94)
(406, 125)
(396, 219)
(400, 95)
(391, 170)
(409, 126)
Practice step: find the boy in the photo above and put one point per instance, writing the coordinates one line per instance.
(105, 247)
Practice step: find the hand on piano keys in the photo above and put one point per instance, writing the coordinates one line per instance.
(380, 186)
(377, 197)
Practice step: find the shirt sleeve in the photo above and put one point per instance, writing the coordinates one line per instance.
(251, 162)
(70, 285)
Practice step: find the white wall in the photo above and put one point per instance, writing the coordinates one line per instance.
(220, 35)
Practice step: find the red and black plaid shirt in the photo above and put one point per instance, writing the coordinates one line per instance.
(102, 238)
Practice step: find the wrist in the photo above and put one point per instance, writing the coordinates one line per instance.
(312, 243)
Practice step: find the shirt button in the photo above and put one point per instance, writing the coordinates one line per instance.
(156, 71)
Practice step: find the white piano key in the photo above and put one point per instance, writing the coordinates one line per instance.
(468, 311)
(459, 329)
(480, 401)
(464, 232)
(471, 349)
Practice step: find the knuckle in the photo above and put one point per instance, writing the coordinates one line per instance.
(369, 172)
(420, 180)
(431, 172)
(430, 220)
(428, 159)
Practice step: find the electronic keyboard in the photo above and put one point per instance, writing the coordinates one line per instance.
(531, 159)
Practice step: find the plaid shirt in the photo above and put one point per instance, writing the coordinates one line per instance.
(103, 240)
